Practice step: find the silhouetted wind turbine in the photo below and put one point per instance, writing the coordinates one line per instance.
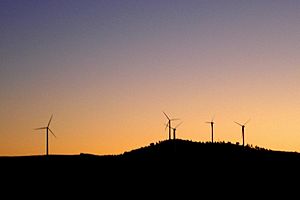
(243, 129)
(174, 129)
(169, 124)
(47, 130)
(212, 128)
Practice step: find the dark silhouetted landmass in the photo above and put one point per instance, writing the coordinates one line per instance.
(165, 164)
(166, 152)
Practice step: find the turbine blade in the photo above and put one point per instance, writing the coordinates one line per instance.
(40, 128)
(238, 123)
(166, 126)
(52, 133)
(166, 115)
(247, 122)
(178, 125)
(174, 119)
(208, 122)
(50, 120)
(212, 119)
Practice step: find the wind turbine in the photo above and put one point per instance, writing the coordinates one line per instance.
(212, 129)
(174, 130)
(169, 124)
(243, 129)
(47, 130)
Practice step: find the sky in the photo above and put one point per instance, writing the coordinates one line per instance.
(107, 70)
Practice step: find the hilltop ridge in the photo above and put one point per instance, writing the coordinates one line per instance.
(219, 151)
(176, 150)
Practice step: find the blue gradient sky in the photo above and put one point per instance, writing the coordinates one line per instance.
(107, 69)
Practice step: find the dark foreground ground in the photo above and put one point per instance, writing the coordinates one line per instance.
(169, 167)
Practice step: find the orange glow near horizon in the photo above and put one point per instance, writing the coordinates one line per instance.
(129, 124)
(108, 70)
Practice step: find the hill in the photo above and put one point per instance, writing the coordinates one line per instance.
(167, 164)
(166, 152)
(214, 152)
(172, 150)
(171, 154)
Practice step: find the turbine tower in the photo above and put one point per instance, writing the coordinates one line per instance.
(169, 124)
(243, 130)
(212, 129)
(47, 130)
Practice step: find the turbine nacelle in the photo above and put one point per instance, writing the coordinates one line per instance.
(242, 125)
(169, 119)
(174, 128)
